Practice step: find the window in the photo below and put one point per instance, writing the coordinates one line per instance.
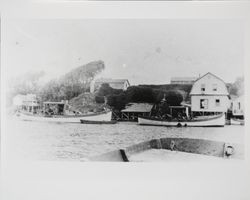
(214, 87)
(217, 102)
(203, 87)
(204, 103)
(239, 105)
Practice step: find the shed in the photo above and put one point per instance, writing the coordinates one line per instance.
(134, 110)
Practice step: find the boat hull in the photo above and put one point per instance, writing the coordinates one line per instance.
(97, 122)
(105, 116)
(98, 118)
(218, 121)
(237, 121)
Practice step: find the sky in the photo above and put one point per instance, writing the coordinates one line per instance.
(144, 51)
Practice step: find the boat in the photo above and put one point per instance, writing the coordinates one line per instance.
(104, 117)
(235, 121)
(173, 149)
(97, 122)
(204, 121)
(101, 116)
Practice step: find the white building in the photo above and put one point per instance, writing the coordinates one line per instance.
(122, 84)
(209, 94)
(238, 106)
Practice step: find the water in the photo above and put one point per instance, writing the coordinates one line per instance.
(55, 141)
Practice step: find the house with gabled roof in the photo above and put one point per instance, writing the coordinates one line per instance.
(209, 94)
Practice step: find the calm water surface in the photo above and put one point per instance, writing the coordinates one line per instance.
(55, 141)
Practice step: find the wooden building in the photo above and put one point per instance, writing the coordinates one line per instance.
(121, 84)
(209, 94)
(134, 110)
(238, 106)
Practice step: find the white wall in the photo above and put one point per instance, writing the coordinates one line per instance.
(209, 80)
(235, 107)
(224, 103)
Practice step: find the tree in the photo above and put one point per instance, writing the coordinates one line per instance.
(236, 88)
(140, 94)
(72, 84)
(173, 98)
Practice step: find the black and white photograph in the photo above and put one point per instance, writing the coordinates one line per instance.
(111, 103)
(138, 90)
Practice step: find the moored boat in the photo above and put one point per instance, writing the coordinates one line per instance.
(101, 116)
(235, 121)
(208, 121)
(97, 122)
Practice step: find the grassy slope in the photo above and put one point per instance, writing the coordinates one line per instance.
(85, 102)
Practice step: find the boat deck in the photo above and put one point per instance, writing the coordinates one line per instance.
(163, 155)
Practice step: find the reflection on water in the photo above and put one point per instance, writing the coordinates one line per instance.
(55, 141)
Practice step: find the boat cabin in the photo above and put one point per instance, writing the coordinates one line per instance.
(55, 108)
(27, 103)
(180, 111)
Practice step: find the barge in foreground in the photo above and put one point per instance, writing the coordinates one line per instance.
(165, 149)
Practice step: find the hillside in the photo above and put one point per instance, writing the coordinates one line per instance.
(84, 103)
(72, 84)
(83, 74)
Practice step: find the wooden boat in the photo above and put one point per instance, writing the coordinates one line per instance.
(206, 121)
(235, 121)
(167, 149)
(101, 116)
(97, 122)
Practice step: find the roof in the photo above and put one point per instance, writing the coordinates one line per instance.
(236, 98)
(138, 107)
(183, 78)
(210, 74)
(233, 97)
(185, 104)
(51, 102)
(109, 80)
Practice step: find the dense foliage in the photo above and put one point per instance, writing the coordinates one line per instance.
(71, 84)
(24, 84)
(236, 88)
(138, 94)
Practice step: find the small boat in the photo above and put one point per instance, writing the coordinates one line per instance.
(235, 121)
(97, 122)
(101, 116)
(204, 121)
